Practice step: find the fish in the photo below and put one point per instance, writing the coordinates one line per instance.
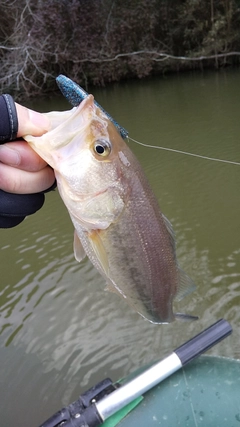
(117, 220)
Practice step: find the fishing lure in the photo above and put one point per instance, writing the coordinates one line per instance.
(75, 94)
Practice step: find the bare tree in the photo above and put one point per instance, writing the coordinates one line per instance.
(107, 40)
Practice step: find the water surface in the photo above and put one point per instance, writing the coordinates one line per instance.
(60, 332)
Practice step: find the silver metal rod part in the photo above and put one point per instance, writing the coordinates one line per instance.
(119, 398)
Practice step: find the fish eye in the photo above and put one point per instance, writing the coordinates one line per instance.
(102, 147)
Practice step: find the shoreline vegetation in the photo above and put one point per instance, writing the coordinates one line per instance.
(95, 42)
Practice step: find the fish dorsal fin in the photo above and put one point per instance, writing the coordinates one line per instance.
(185, 285)
(99, 250)
(79, 252)
(169, 227)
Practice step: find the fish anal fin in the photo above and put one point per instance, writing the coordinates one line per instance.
(185, 285)
(79, 252)
(99, 249)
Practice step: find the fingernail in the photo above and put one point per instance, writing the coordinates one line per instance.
(40, 121)
(9, 156)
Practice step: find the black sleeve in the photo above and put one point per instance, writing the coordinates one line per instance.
(15, 207)
(8, 119)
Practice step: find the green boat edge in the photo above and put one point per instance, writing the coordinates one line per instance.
(204, 393)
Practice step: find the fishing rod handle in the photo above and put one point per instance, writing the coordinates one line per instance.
(203, 341)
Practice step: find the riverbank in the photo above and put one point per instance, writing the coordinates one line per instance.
(95, 42)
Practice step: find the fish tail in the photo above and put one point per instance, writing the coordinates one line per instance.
(185, 317)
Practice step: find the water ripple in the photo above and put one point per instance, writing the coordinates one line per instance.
(60, 332)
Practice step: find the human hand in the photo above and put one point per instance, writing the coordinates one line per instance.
(22, 171)
(24, 176)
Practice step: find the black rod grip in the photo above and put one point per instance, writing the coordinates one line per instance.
(203, 341)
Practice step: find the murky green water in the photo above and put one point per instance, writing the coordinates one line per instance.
(60, 331)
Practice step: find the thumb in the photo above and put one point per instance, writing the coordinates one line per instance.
(30, 122)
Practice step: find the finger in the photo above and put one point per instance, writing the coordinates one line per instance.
(15, 180)
(30, 122)
(20, 155)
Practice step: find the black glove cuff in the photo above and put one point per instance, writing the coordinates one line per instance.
(9, 119)
(14, 207)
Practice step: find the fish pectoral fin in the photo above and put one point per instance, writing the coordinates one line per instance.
(99, 250)
(185, 285)
(79, 252)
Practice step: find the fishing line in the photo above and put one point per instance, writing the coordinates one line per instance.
(185, 152)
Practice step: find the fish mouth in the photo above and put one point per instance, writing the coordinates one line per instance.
(87, 105)
(88, 101)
